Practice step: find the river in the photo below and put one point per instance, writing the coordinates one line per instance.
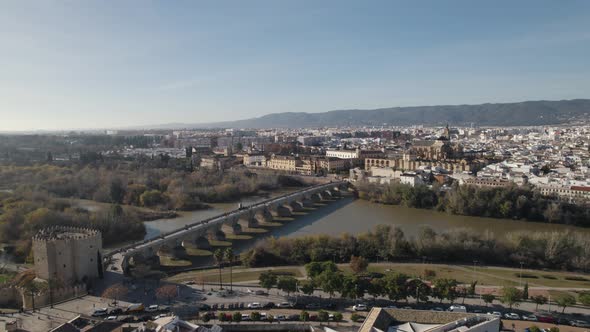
(356, 216)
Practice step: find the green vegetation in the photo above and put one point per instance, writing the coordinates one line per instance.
(564, 250)
(504, 202)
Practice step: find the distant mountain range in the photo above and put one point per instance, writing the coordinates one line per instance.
(526, 113)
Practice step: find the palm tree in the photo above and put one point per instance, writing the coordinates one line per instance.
(229, 255)
(218, 255)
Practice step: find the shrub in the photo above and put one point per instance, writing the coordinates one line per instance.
(356, 317)
(304, 316)
(576, 278)
(337, 317)
(255, 316)
(548, 276)
(526, 276)
(323, 316)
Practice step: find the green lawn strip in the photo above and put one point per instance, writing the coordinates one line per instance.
(543, 278)
(239, 274)
(198, 252)
(169, 261)
(238, 237)
(219, 243)
(254, 230)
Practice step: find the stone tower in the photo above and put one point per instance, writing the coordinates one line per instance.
(68, 254)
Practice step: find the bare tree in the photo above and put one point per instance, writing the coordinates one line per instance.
(115, 292)
(167, 292)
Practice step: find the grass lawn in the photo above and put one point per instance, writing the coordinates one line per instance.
(169, 261)
(543, 278)
(254, 230)
(240, 274)
(271, 224)
(219, 243)
(4, 278)
(238, 237)
(198, 252)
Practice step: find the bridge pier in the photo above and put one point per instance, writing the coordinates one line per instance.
(296, 206)
(316, 198)
(284, 211)
(264, 215)
(307, 202)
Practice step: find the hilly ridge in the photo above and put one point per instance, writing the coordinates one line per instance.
(526, 113)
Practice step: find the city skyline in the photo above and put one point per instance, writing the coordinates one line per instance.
(88, 65)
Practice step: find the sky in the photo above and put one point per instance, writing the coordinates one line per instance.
(107, 64)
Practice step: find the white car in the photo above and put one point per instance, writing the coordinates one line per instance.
(495, 313)
(360, 307)
(100, 312)
(531, 318)
(512, 315)
(458, 308)
(112, 318)
(254, 305)
(580, 323)
(245, 317)
(280, 317)
(284, 305)
(152, 308)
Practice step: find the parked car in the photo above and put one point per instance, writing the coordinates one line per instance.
(495, 313)
(260, 292)
(360, 307)
(100, 312)
(284, 305)
(280, 317)
(254, 305)
(531, 318)
(245, 317)
(112, 318)
(145, 318)
(127, 319)
(293, 318)
(152, 308)
(269, 305)
(438, 309)
(458, 308)
(580, 323)
(115, 311)
(512, 315)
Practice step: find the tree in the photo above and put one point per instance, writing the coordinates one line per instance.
(584, 298)
(307, 287)
(255, 316)
(358, 264)
(396, 286)
(218, 255)
(330, 281)
(539, 300)
(564, 301)
(229, 256)
(472, 287)
(337, 316)
(511, 296)
(151, 198)
(270, 318)
(267, 279)
(221, 317)
(488, 298)
(287, 284)
(117, 191)
(323, 316)
(377, 287)
(525, 291)
(418, 290)
(167, 292)
(352, 287)
(115, 292)
(237, 317)
(304, 316)
(534, 328)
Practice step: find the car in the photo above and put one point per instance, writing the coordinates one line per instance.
(390, 307)
(254, 305)
(458, 308)
(407, 308)
(245, 317)
(531, 318)
(100, 312)
(190, 282)
(115, 311)
(269, 305)
(222, 306)
(145, 318)
(438, 309)
(112, 318)
(512, 315)
(160, 316)
(152, 308)
(580, 323)
(495, 313)
(293, 318)
(284, 305)
(204, 307)
(360, 307)
(280, 317)
(260, 292)
(127, 319)
(263, 316)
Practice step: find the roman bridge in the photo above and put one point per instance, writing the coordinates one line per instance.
(199, 233)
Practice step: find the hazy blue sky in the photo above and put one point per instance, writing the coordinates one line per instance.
(81, 64)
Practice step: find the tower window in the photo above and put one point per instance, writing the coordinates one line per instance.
(64, 265)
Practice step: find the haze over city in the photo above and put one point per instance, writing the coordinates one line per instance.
(93, 64)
